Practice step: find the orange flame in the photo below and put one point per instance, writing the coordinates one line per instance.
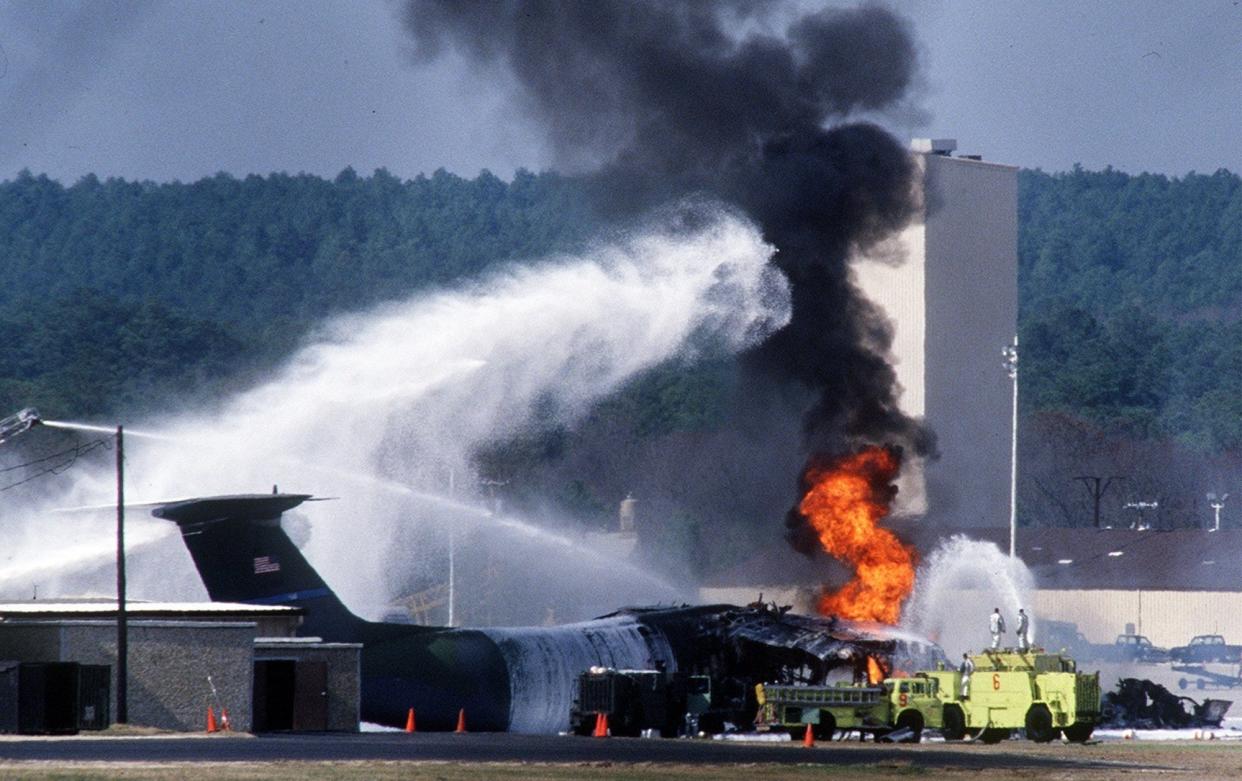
(875, 672)
(844, 503)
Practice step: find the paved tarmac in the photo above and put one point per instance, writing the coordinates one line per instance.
(500, 747)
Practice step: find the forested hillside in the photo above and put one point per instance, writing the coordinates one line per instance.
(1131, 302)
(172, 285)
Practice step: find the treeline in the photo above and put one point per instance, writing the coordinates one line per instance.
(87, 354)
(116, 296)
(167, 285)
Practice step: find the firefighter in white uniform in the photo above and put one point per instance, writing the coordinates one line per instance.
(996, 625)
(967, 667)
(1024, 623)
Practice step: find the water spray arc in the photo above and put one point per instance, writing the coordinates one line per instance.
(478, 516)
(965, 572)
(71, 426)
(378, 397)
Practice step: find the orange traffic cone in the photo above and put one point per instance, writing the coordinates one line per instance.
(461, 720)
(808, 739)
(409, 721)
(211, 720)
(601, 730)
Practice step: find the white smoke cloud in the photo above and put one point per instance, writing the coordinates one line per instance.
(389, 403)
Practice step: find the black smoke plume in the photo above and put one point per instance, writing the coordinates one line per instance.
(746, 101)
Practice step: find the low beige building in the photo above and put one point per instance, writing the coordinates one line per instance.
(1168, 585)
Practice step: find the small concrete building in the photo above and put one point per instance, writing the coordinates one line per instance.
(170, 663)
(305, 684)
(185, 657)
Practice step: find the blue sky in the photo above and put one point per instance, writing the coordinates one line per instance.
(180, 90)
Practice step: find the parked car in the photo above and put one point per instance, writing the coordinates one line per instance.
(1206, 648)
(1064, 636)
(1134, 648)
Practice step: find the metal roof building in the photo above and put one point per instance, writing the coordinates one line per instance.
(1170, 585)
(270, 620)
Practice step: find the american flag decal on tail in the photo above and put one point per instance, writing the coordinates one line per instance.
(266, 564)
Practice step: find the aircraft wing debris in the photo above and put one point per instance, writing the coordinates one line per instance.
(823, 638)
(1143, 704)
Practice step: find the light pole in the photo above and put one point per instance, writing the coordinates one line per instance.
(1011, 367)
(1217, 503)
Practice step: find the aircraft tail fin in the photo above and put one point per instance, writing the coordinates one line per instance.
(243, 555)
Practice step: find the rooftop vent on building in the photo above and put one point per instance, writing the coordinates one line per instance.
(934, 146)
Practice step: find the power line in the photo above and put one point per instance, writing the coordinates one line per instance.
(64, 460)
(76, 450)
(1097, 489)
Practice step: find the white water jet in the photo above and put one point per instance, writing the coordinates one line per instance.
(957, 587)
(99, 429)
(409, 392)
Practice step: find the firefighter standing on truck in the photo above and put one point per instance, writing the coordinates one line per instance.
(1024, 624)
(996, 625)
(967, 667)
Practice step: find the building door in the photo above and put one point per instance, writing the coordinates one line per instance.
(48, 698)
(273, 694)
(310, 697)
(94, 696)
(290, 695)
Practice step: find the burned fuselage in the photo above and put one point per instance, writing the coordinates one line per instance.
(520, 679)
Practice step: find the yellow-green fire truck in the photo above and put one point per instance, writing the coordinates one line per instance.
(1039, 692)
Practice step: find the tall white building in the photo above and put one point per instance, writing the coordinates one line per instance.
(953, 301)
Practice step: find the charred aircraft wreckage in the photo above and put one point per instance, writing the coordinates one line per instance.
(520, 679)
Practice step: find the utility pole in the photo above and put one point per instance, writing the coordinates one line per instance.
(1097, 486)
(122, 617)
(23, 421)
